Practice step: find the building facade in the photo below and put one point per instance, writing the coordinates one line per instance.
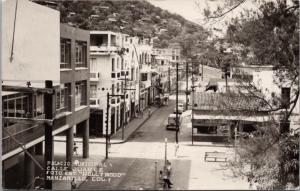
(108, 68)
(24, 129)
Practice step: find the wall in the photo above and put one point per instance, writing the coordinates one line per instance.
(36, 44)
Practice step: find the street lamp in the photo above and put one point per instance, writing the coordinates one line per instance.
(166, 143)
(177, 125)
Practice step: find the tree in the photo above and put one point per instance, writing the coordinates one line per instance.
(271, 36)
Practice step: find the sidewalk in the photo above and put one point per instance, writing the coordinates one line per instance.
(116, 138)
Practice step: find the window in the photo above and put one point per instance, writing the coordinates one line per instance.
(93, 65)
(80, 93)
(122, 87)
(62, 98)
(16, 105)
(113, 64)
(93, 102)
(118, 87)
(93, 91)
(113, 89)
(132, 72)
(143, 77)
(65, 53)
(117, 63)
(81, 54)
(122, 64)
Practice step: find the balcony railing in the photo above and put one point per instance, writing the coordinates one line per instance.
(28, 133)
(94, 76)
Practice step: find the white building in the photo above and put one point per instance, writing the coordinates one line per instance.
(114, 70)
(106, 65)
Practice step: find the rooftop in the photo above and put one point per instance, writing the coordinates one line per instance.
(228, 102)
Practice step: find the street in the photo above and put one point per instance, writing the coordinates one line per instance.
(136, 159)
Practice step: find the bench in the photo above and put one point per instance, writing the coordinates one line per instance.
(215, 156)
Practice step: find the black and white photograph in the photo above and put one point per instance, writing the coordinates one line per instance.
(150, 94)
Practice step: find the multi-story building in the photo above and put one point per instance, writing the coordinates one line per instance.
(166, 60)
(146, 90)
(107, 75)
(24, 109)
(73, 97)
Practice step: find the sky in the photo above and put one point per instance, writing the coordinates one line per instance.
(190, 11)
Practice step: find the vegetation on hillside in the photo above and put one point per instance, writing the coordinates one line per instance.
(136, 18)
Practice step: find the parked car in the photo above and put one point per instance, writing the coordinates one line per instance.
(172, 122)
(180, 108)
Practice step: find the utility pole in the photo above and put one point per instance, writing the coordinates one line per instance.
(193, 103)
(49, 114)
(106, 130)
(169, 72)
(177, 125)
(166, 152)
(202, 74)
(125, 119)
(187, 85)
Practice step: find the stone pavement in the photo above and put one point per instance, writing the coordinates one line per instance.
(129, 129)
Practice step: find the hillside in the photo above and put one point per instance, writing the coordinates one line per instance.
(136, 18)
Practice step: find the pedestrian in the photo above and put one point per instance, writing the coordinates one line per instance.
(176, 149)
(137, 113)
(73, 184)
(149, 112)
(167, 181)
(75, 149)
(169, 168)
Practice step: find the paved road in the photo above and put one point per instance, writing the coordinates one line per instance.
(136, 158)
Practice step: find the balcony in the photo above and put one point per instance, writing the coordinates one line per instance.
(94, 102)
(103, 49)
(24, 133)
(94, 76)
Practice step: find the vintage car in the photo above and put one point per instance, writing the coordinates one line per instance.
(172, 122)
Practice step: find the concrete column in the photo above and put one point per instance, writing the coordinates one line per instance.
(3, 175)
(28, 168)
(85, 139)
(240, 128)
(69, 146)
(39, 148)
(230, 131)
(109, 40)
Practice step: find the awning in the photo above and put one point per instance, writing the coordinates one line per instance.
(234, 117)
(186, 118)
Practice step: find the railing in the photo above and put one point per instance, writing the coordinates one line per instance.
(28, 134)
(94, 75)
(62, 109)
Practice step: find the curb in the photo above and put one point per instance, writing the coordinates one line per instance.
(139, 126)
(117, 142)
